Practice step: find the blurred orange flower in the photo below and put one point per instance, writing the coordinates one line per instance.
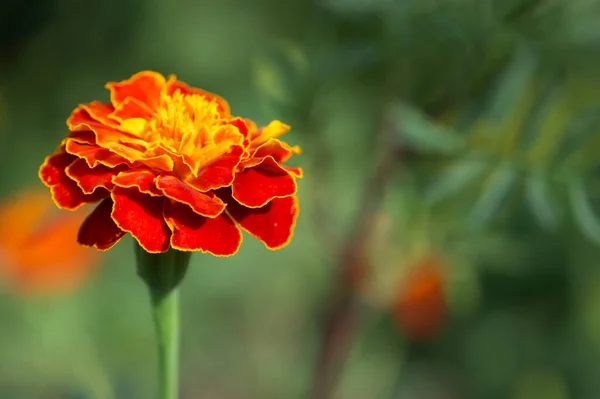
(39, 253)
(170, 165)
(420, 306)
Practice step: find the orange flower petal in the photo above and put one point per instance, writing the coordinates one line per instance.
(142, 179)
(142, 216)
(94, 155)
(272, 130)
(80, 120)
(160, 162)
(191, 232)
(143, 86)
(89, 179)
(65, 192)
(273, 224)
(254, 187)
(174, 85)
(203, 204)
(131, 108)
(279, 150)
(99, 229)
(99, 112)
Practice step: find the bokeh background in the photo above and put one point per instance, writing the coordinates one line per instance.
(448, 241)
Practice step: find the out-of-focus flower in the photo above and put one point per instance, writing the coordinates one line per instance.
(420, 306)
(39, 253)
(170, 165)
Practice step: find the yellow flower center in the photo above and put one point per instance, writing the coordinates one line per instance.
(182, 123)
(188, 125)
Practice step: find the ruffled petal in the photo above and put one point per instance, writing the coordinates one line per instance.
(105, 135)
(203, 204)
(89, 179)
(142, 216)
(254, 187)
(144, 86)
(100, 112)
(279, 150)
(94, 155)
(65, 192)
(218, 171)
(130, 108)
(295, 171)
(99, 229)
(144, 180)
(191, 232)
(158, 162)
(273, 224)
(243, 126)
(272, 130)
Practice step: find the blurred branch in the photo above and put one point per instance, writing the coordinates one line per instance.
(338, 330)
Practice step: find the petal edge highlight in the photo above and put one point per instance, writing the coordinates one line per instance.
(142, 216)
(218, 236)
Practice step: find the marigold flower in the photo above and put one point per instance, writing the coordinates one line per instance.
(39, 253)
(169, 164)
(420, 306)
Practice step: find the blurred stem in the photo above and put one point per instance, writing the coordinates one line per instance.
(339, 328)
(163, 273)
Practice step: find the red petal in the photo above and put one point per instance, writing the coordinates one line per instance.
(295, 171)
(99, 229)
(142, 216)
(65, 192)
(244, 128)
(143, 86)
(254, 187)
(203, 204)
(273, 224)
(192, 232)
(142, 179)
(89, 179)
(219, 172)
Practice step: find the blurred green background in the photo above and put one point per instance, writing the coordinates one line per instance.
(463, 130)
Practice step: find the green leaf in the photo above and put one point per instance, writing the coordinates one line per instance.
(462, 173)
(546, 99)
(501, 181)
(583, 127)
(583, 212)
(417, 131)
(511, 84)
(538, 197)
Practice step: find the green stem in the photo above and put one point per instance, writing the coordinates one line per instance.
(163, 273)
(165, 310)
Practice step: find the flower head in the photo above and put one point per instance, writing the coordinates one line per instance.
(39, 253)
(169, 164)
(420, 306)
